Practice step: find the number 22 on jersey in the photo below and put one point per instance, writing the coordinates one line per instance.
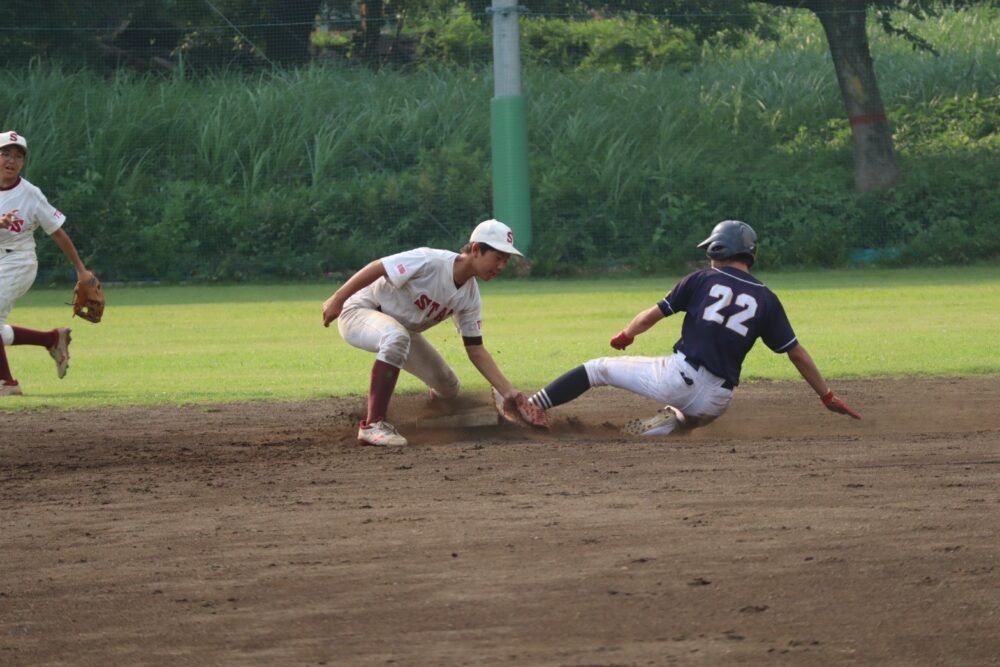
(724, 294)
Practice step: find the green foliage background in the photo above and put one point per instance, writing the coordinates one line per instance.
(303, 173)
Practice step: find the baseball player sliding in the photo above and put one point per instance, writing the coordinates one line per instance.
(385, 307)
(23, 209)
(726, 311)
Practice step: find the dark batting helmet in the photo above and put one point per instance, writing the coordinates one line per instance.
(730, 238)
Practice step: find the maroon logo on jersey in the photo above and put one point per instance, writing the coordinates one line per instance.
(400, 269)
(16, 225)
(432, 308)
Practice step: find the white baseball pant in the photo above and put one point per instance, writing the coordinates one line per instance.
(700, 396)
(374, 331)
(17, 274)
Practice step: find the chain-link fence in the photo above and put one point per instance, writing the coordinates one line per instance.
(234, 140)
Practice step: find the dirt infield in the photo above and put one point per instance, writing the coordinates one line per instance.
(260, 534)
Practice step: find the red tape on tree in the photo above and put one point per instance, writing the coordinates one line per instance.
(868, 120)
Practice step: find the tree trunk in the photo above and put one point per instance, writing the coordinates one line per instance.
(371, 30)
(875, 163)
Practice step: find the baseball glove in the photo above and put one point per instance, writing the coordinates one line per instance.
(519, 410)
(88, 299)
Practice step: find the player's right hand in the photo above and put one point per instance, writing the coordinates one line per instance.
(8, 218)
(622, 340)
(331, 310)
(836, 404)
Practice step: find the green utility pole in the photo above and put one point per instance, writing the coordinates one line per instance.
(509, 127)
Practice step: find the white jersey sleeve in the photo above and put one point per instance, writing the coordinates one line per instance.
(33, 211)
(420, 292)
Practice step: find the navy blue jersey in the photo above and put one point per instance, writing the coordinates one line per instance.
(727, 310)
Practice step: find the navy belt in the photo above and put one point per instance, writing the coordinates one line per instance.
(726, 384)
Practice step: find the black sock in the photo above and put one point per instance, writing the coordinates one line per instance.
(563, 389)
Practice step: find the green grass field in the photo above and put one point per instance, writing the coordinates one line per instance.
(199, 344)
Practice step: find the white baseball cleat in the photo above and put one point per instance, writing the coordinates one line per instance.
(60, 352)
(663, 422)
(380, 434)
(10, 388)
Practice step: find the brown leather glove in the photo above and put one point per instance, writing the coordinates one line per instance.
(88, 299)
(519, 410)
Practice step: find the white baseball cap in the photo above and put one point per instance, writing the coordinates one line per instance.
(496, 235)
(12, 138)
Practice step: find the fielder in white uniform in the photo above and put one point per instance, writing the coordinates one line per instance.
(23, 209)
(385, 307)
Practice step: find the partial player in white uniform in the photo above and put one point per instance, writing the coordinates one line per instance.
(385, 307)
(23, 209)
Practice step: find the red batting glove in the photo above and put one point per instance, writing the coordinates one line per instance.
(834, 403)
(622, 340)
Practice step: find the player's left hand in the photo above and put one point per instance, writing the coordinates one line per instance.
(622, 340)
(88, 297)
(517, 409)
(836, 404)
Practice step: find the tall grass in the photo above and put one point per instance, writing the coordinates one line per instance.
(219, 126)
(300, 173)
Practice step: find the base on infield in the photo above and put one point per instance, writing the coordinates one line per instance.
(485, 416)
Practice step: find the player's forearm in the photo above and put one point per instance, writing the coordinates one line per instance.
(65, 243)
(643, 322)
(333, 306)
(487, 367)
(363, 278)
(807, 369)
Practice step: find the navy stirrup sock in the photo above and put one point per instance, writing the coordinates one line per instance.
(563, 389)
